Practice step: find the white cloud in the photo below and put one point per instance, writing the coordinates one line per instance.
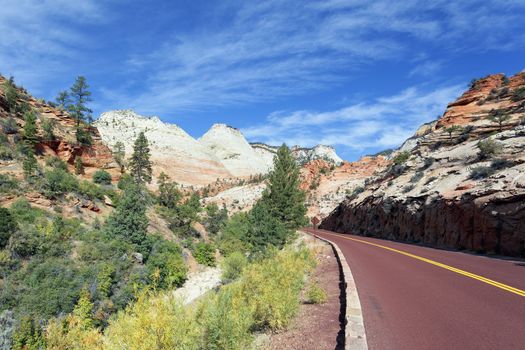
(381, 123)
(38, 39)
(282, 48)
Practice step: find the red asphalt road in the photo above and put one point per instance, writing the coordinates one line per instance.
(411, 304)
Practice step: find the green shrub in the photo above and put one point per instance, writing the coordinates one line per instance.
(204, 253)
(23, 212)
(500, 163)
(488, 148)
(48, 126)
(154, 322)
(408, 188)
(11, 96)
(6, 153)
(316, 294)
(59, 182)
(8, 183)
(55, 287)
(271, 288)
(481, 172)
(427, 163)
(358, 190)
(28, 335)
(9, 126)
(226, 322)
(417, 176)
(90, 190)
(233, 235)
(233, 265)
(401, 158)
(56, 163)
(518, 94)
(102, 177)
(166, 260)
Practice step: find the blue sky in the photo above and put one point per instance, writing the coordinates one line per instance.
(359, 75)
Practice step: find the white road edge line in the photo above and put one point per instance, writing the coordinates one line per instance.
(355, 335)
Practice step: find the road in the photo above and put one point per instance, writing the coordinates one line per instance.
(416, 297)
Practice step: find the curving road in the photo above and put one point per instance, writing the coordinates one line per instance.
(416, 297)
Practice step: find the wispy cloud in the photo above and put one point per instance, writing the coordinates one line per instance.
(281, 48)
(372, 125)
(40, 39)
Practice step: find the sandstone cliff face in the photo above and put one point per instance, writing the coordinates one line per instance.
(437, 196)
(327, 185)
(95, 157)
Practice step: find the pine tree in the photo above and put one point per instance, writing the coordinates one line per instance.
(77, 107)
(80, 96)
(140, 164)
(265, 228)
(283, 197)
(119, 153)
(129, 220)
(63, 100)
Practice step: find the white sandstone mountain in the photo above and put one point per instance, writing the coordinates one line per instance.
(221, 153)
(229, 145)
(173, 151)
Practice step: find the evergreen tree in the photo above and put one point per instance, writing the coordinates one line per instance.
(79, 166)
(80, 96)
(265, 228)
(77, 107)
(8, 226)
(63, 100)
(169, 194)
(29, 164)
(129, 220)
(119, 153)
(30, 137)
(140, 164)
(283, 197)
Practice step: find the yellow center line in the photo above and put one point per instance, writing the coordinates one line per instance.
(447, 267)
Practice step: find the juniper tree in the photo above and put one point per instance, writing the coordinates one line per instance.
(284, 198)
(140, 164)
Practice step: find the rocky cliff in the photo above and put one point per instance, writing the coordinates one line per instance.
(453, 187)
(63, 145)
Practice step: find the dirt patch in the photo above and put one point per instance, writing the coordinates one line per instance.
(317, 326)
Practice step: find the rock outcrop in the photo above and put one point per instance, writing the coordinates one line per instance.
(64, 146)
(442, 190)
